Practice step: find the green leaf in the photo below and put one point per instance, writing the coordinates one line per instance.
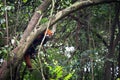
(118, 79)
(39, 12)
(24, 1)
(44, 20)
(1, 33)
(5, 51)
(68, 76)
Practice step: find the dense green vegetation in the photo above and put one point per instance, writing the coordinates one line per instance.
(85, 46)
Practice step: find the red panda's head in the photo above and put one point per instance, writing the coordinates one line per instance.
(49, 33)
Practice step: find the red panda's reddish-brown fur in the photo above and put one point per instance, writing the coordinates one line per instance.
(31, 49)
(27, 60)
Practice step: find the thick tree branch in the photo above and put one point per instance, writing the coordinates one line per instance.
(34, 20)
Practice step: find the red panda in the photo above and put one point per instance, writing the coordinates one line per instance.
(31, 51)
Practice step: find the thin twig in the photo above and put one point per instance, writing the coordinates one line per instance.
(6, 22)
(41, 68)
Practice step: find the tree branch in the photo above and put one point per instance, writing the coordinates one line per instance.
(98, 35)
(34, 20)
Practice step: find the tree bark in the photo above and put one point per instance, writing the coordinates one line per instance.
(28, 39)
(118, 76)
(108, 74)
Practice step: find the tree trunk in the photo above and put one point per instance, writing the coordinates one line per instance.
(108, 66)
(118, 76)
(111, 49)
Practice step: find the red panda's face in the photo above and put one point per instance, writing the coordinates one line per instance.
(49, 33)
